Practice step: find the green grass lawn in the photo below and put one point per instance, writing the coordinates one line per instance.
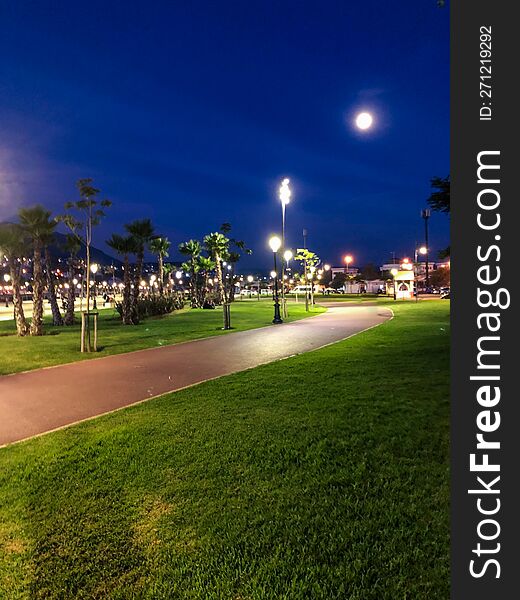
(61, 344)
(323, 476)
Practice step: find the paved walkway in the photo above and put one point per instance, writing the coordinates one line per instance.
(46, 399)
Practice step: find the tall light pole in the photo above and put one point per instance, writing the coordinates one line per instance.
(287, 256)
(394, 273)
(422, 250)
(94, 269)
(285, 197)
(425, 214)
(275, 243)
(348, 259)
(326, 267)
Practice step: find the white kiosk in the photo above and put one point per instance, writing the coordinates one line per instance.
(403, 281)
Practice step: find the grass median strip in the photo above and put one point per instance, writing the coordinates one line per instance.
(321, 476)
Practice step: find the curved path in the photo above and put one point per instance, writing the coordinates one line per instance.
(40, 401)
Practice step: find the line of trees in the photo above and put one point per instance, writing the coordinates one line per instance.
(218, 254)
(211, 260)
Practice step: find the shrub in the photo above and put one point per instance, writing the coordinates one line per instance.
(154, 305)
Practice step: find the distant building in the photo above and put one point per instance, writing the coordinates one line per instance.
(351, 271)
(419, 268)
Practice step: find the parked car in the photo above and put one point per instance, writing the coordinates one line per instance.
(300, 289)
(330, 290)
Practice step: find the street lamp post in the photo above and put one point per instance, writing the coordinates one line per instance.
(285, 198)
(348, 259)
(394, 274)
(326, 267)
(250, 280)
(94, 269)
(275, 244)
(287, 256)
(425, 214)
(422, 250)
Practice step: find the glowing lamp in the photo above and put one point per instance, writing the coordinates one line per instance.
(275, 243)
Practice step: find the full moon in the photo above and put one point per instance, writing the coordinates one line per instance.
(364, 120)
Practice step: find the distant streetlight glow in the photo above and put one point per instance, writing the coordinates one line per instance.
(287, 255)
(423, 250)
(364, 121)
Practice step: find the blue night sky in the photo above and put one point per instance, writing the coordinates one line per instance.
(191, 112)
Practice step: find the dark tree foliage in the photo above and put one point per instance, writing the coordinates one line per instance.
(370, 272)
(440, 199)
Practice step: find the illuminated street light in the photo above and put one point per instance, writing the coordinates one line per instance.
(285, 191)
(275, 244)
(347, 260)
(425, 214)
(94, 269)
(284, 194)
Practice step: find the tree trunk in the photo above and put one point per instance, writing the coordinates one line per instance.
(220, 287)
(57, 319)
(202, 291)
(37, 316)
(194, 298)
(126, 304)
(22, 327)
(71, 295)
(231, 295)
(137, 282)
(161, 274)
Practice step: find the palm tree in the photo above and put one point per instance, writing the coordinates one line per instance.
(124, 246)
(141, 231)
(440, 200)
(57, 319)
(205, 266)
(13, 245)
(217, 245)
(192, 248)
(72, 246)
(36, 223)
(168, 270)
(160, 246)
